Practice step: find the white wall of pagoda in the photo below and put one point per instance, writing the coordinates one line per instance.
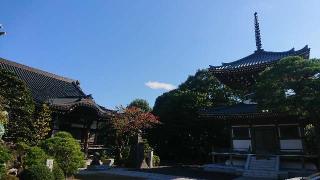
(241, 145)
(291, 145)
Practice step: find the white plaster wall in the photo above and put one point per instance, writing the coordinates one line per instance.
(293, 144)
(241, 145)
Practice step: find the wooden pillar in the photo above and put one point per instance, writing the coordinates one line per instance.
(231, 135)
(231, 159)
(86, 133)
(277, 136)
(251, 139)
(302, 136)
(96, 132)
(85, 142)
(55, 124)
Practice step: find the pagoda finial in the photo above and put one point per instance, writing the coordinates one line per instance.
(257, 32)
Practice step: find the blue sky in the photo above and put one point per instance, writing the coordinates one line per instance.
(115, 47)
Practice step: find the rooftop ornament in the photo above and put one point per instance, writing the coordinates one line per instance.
(257, 32)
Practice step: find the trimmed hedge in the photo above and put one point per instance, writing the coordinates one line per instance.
(66, 151)
(57, 172)
(34, 156)
(37, 172)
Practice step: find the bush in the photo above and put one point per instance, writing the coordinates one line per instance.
(34, 156)
(63, 134)
(5, 156)
(9, 177)
(156, 160)
(57, 172)
(66, 151)
(37, 172)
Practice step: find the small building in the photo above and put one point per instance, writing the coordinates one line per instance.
(261, 142)
(73, 110)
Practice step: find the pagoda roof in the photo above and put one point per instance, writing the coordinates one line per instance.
(240, 108)
(238, 111)
(258, 59)
(60, 92)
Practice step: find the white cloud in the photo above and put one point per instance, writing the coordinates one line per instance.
(160, 85)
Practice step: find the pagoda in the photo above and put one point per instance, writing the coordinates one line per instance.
(241, 74)
(264, 140)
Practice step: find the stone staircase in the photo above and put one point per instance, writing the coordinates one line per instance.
(267, 167)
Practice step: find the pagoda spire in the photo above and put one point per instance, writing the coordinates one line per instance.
(257, 32)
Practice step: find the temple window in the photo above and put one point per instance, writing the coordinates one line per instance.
(289, 132)
(241, 133)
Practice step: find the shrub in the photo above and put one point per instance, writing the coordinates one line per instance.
(34, 156)
(9, 177)
(22, 147)
(66, 151)
(63, 134)
(57, 172)
(156, 160)
(37, 172)
(5, 156)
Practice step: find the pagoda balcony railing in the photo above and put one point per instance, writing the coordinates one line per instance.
(231, 155)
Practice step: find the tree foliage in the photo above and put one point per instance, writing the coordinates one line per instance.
(5, 156)
(126, 125)
(3, 117)
(41, 124)
(183, 136)
(292, 86)
(20, 107)
(140, 103)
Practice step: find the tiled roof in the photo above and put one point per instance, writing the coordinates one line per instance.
(259, 58)
(43, 85)
(68, 104)
(60, 92)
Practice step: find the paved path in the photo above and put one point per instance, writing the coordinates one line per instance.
(125, 172)
(252, 178)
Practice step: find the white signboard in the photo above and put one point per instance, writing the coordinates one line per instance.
(50, 164)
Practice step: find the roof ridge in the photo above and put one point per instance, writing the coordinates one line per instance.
(35, 70)
(255, 53)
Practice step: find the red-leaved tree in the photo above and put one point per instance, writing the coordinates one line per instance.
(127, 124)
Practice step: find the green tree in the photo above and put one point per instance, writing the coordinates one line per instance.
(5, 157)
(66, 151)
(41, 124)
(20, 107)
(182, 136)
(3, 117)
(140, 103)
(292, 86)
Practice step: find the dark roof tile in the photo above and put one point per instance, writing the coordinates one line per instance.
(260, 57)
(43, 85)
